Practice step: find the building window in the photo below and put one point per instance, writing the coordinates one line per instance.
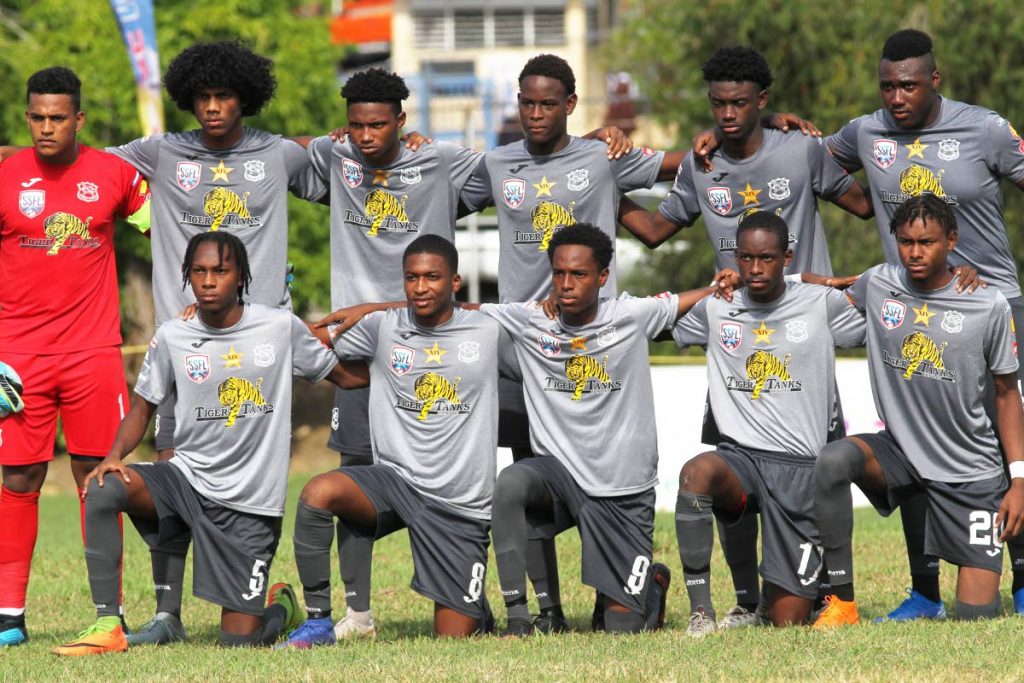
(469, 29)
(429, 30)
(509, 28)
(549, 27)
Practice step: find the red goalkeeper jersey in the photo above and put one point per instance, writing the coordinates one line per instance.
(58, 277)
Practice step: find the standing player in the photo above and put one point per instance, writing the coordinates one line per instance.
(588, 392)
(771, 373)
(58, 203)
(921, 142)
(549, 180)
(433, 398)
(928, 376)
(222, 176)
(226, 484)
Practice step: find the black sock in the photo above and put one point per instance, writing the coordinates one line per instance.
(553, 611)
(355, 557)
(843, 591)
(839, 463)
(696, 536)
(517, 488)
(104, 546)
(739, 545)
(314, 533)
(927, 585)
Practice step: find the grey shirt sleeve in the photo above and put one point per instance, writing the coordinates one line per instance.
(843, 146)
(143, 154)
(857, 292)
(692, 328)
(360, 342)
(319, 153)
(1000, 354)
(511, 317)
(829, 180)
(303, 180)
(460, 161)
(845, 321)
(639, 168)
(311, 360)
(1004, 152)
(682, 206)
(476, 193)
(156, 376)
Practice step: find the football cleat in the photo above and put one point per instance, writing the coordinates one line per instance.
(1018, 601)
(740, 617)
(104, 636)
(915, 607)
(355, 625)
(837, 613)
(12, 630)
(518, 628)
(550, 622)
(283, 594)
(311, 633)
(162, 629)
(657, 594)
(701, 624)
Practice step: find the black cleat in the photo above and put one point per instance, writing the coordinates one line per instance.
(518, 628)
(657, 593)
(597, 618)
(550, 621)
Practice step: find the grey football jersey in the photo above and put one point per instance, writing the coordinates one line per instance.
(930, 354)
(961, 158)
(377, 212)
(433, 402)
(232, 393)
(771, 367)
(588, 389)
(243, 189)
(786, 176)
(536, 195)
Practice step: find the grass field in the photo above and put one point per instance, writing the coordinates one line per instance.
(59, 606)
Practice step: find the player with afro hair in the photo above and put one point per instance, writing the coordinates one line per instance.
(226, 64)
(374, 86)
(550, 66)
(738, 64)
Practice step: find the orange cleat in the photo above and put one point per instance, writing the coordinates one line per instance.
(837, 613)
(104, 636)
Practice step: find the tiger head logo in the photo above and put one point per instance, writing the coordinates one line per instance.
(919, 348)
(431, 388)
(547, 216)
(380, 204)
(582, 368)
(219, 202)
(761, 365)
(916, 180)
(60, 226)
(234, 392)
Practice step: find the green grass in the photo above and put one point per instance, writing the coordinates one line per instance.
(59, 606)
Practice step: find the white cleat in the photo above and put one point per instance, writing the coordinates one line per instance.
(355, 625)
(740, 617)
(701, 624)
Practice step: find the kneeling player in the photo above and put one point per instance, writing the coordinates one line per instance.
(229, 371)
(433, 418)
(929, 383)
(771, 376)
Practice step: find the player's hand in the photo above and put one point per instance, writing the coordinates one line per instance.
(343, 319)
(1011, 510)
(617, 140)
(835, 281)
(188, 312)
(414, 139)
(785, 121)
(550, 306)
(967, 277)
(109, 465)
(338, 134)
(726, 280)
(704, 145)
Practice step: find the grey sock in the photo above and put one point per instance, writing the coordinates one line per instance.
(168, 580)
(695, 534)
(314, 534)
(739, 543)
(839, 464)
(355, 557)
(517, 487)
(103, 548)
(542, 568)
(965, 612)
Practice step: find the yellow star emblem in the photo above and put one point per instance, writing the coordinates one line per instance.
(763, 334)
(923, 315)
(750, 195)
(220, 172)
(543, 187)
(916, 149)
(380, 178)
(579, 344)
(434, 353)
(232, 359)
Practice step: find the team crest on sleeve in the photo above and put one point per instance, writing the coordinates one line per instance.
(351, 172)
(513, 192)
(892, 314)
(88, 192)
(549, 346)
(778, 188)
(949, 149)
(731, 336)
(885, 152)
(31, 202)
(255, 170)
(401, 359)
(188, 175)
(469, 352)
(411, 176)
(579, 179)
(197, 367)
(264, 355)
(647, 151)
(953, 322)
(796, 331)
(721, 200)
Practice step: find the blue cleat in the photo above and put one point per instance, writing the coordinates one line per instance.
(1018, 601)
(12, 631)
(310, 633)
(915, 607)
